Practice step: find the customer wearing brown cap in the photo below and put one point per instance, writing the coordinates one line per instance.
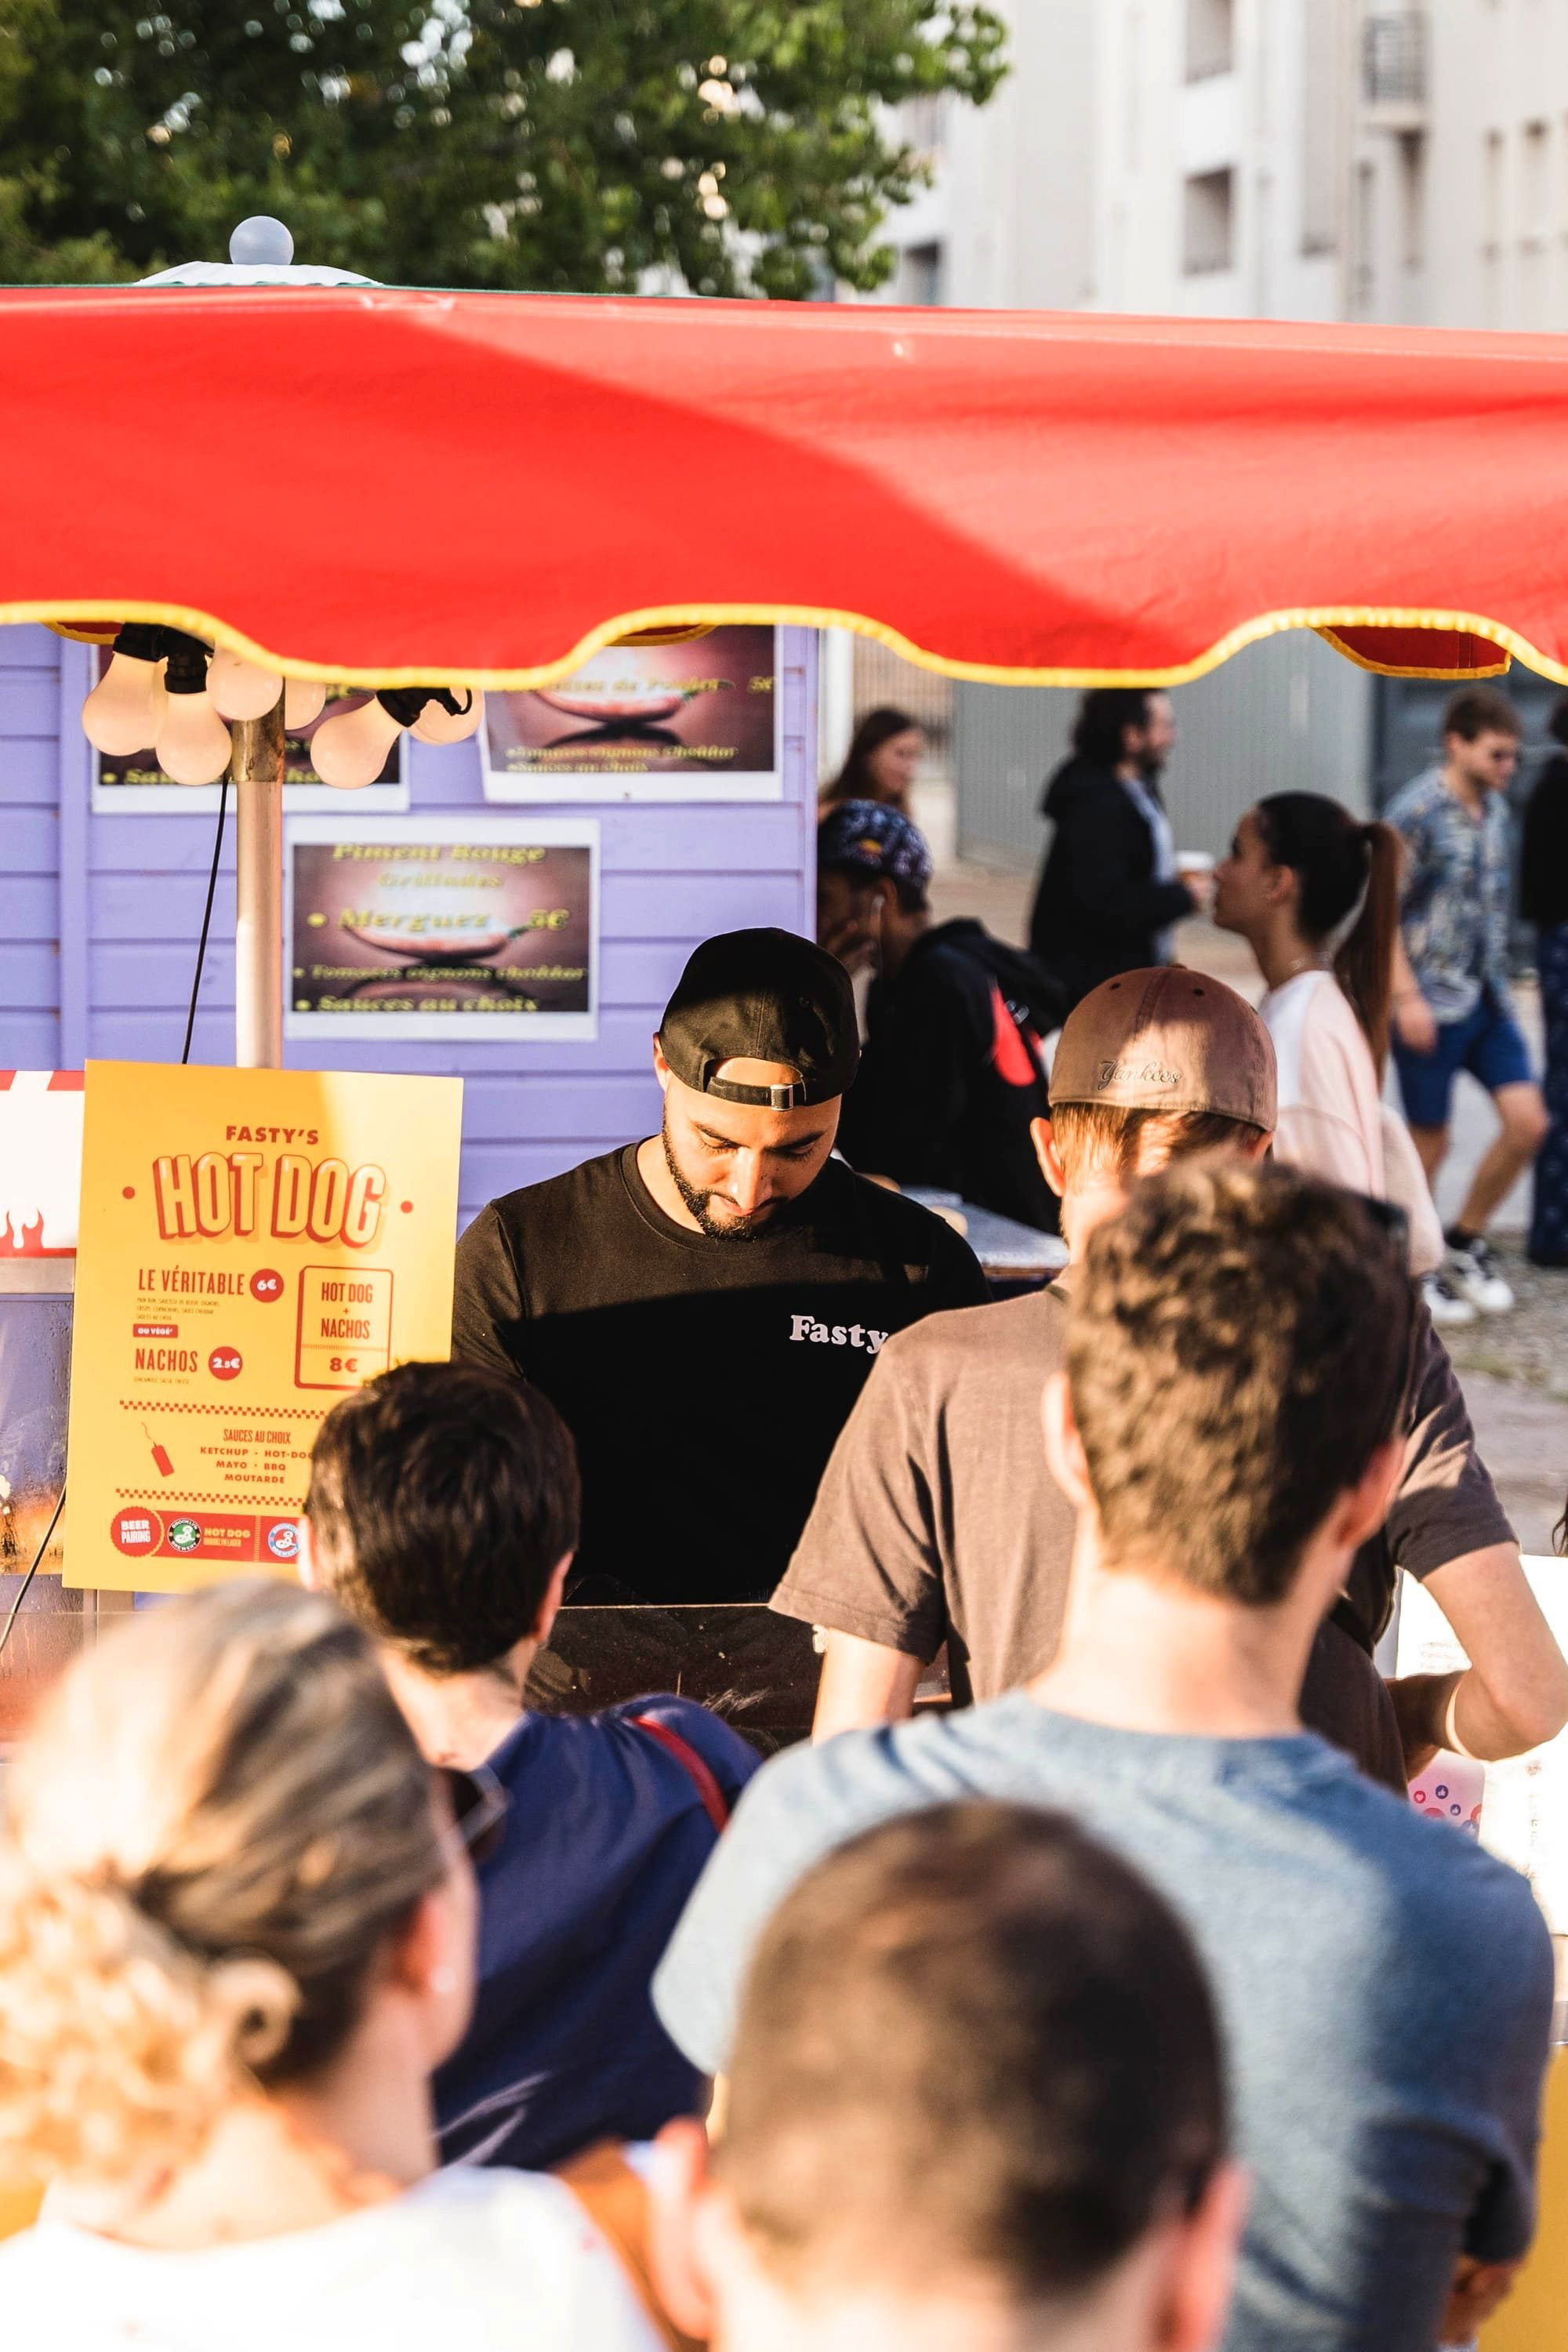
(938, 1520)
(702, 1307)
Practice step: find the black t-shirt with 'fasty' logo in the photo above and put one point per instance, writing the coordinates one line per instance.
(705, 1381)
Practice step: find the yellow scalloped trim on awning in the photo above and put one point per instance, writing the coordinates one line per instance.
(84, 633)
(1325, 619)
(1403, 669)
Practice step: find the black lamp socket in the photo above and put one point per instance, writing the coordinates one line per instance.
(186, 670)
(141, 641)
(406, 703)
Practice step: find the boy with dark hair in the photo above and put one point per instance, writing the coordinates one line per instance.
(975, 2103)
(442, 1514)
(1227, 1432)
(952, 1072)
(1453, 1007)
(937, 1520)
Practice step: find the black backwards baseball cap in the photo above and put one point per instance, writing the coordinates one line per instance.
(763, 996)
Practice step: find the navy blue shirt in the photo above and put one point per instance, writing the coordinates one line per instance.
(604, 1841)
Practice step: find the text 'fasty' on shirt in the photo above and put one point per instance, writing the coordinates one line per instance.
(704, 1380)
(853, 1335)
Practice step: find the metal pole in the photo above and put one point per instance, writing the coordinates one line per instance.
(257, 768)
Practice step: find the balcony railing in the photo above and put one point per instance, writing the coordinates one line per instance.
(1394, 58)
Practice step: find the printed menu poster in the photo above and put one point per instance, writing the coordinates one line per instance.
(692, 721)
(441, 927)
(253, 1244)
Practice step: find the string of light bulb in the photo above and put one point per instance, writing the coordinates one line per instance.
(171, 691)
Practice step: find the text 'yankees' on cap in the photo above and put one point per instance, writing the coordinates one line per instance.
(1168, 1039)
(763, 996)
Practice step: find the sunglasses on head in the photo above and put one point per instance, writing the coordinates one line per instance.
(479, 1806)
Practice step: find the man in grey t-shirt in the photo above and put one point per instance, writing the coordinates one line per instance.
(1226, 1427)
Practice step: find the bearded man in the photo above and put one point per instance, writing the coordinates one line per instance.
(703, 1307)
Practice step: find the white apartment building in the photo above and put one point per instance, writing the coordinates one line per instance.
(1492, 230)
(1009, 223)
(1220, 133)
(1289, 158)
(1300, 159)
(1333, 159)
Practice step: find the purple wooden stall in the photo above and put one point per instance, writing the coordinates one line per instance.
(99, 916)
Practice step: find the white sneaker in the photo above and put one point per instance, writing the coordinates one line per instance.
(1444, 1304)
(1473, 1274)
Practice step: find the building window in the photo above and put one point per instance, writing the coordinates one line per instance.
(1209, 208)
(1412, 179)
(1318, 120)
(1394, 58)
(919, 279)
(1211, 38)
(1492, 192)
(1132, 53)
(1364, 242)
(1533, 188)
(923, 121)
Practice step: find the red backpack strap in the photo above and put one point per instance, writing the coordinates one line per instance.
(714, 1802)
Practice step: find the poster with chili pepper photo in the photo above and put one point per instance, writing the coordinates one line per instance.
(441, 927)
(253, 1244)
(693, 720)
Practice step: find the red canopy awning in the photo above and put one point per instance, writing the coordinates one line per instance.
(389, 486)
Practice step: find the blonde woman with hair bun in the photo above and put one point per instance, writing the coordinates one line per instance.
(237, 1934)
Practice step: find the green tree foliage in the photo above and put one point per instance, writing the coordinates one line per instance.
(740, 146)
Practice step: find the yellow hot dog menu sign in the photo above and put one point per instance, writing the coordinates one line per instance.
(253, 1243)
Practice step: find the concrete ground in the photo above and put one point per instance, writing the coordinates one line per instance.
(1514, 1366)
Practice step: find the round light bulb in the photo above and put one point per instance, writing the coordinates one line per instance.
(304, 699)
(193, 745)
(262, 242)
(241, 689)
(436, 725)
(120, 715)
(351, 750)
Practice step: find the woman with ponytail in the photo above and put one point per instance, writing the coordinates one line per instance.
(1315, 894)
(237, 1934)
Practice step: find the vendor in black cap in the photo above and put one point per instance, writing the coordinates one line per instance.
(704, 1307)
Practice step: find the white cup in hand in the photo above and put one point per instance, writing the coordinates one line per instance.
(1194, 867)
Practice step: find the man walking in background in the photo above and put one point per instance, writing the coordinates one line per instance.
(952, 1074)
(1452, 1009)
(1109, 894)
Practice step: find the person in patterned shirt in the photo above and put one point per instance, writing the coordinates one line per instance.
(1452, 1009)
